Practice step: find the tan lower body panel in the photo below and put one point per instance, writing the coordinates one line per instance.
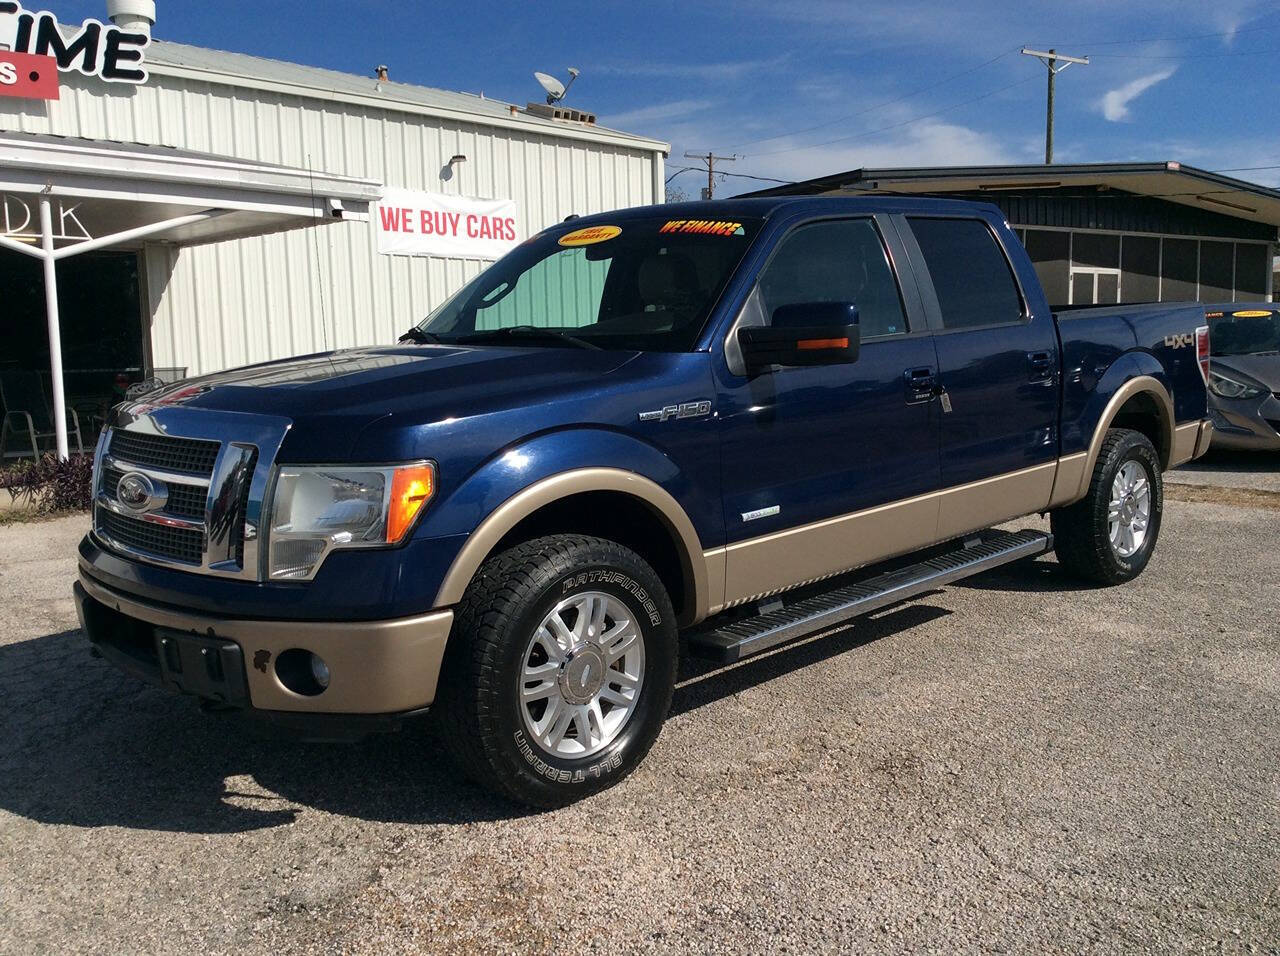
(981, 504)
(775, 562)
(376, 667)
(1204, 439)
(1185, 440)
(1070, 483)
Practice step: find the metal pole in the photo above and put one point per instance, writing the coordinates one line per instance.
(55, 332)
(1048, 130)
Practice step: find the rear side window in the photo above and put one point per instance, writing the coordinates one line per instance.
(970, 273)
(838, 261)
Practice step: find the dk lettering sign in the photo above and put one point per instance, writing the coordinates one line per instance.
(93, 49)
(430, 224)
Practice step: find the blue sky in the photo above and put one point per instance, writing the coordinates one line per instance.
(800, 88)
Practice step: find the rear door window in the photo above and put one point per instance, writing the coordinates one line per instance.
(971, 274)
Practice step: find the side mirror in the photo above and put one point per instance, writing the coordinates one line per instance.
(809, 333)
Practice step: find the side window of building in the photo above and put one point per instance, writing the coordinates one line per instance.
(970, 273)
(838, 261)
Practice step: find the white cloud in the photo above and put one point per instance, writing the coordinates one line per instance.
(657, 113)
(1115, 103)
(725, 71)
(928, 143)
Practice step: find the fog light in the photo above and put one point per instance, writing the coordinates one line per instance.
(320, 671)
(302, 672)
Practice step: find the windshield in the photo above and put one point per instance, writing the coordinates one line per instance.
(644, 284)
(1244, 331)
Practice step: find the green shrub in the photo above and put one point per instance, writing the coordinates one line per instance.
(49, 485)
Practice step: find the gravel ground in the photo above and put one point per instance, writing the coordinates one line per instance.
(1259, 471)
(1015, 763)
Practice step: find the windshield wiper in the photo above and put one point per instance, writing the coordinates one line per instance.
(416, 334)
(530, 332)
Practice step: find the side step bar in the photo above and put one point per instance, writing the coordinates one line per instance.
(754, 635)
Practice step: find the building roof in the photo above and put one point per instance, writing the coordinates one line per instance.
(166, 58)
(125, 186)
(1171, 181)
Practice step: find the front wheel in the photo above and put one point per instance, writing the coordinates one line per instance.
(1108, 536)
(560, 669)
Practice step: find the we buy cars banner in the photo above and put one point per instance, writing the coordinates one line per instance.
(431, 224)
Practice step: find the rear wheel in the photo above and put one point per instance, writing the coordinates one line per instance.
(1108, 536)
(560, 669)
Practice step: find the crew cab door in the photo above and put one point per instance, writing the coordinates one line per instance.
(999, 370)
(819, 464)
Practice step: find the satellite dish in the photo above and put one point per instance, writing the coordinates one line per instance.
(555, 89)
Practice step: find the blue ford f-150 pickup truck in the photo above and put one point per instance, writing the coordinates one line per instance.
(682, 426)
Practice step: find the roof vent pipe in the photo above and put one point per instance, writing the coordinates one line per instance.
(136, 16)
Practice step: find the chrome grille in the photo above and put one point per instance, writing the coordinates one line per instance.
(186, 500)
(190, 456)
(198, 501)
(174, 544)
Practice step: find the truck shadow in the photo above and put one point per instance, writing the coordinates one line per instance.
(1042, 576)
(83, 745)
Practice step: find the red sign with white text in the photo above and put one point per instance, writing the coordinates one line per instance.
(27, 76)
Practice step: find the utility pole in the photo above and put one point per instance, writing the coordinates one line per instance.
(1051, 58)
(710, 159)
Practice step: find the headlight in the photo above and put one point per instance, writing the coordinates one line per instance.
(316, 509)
(1225, 387)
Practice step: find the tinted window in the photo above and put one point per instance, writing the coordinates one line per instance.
(841, 261)
(970, 273)
(648, 284)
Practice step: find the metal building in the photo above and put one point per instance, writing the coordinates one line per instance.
(202, 307)
(1109, 232)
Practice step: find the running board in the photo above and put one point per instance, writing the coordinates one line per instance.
(754, 635)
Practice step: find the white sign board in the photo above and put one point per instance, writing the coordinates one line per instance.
(431, 224)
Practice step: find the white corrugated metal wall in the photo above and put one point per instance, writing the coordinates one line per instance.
(251, 300)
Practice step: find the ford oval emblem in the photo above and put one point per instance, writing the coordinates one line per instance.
(140, 493)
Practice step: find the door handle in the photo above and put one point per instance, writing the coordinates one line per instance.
(1041, 366)
(921, 384)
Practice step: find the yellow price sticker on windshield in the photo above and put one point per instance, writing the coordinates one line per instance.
(590, 235)
(1252, 314)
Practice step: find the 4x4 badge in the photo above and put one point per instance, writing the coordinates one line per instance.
(685, 410)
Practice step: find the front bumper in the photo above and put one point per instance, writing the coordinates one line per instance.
(1249, 424)
(386, 667)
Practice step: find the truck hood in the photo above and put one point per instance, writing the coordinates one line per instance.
(332, 396)
(381, 380)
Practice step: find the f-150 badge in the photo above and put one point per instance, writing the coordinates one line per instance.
(684, 410)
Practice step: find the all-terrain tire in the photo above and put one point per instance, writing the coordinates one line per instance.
(1081, 532)
(479, 699)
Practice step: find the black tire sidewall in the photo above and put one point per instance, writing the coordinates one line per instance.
(612, 570)
(1134, 447)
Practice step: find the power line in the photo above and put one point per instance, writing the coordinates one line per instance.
(1244, 169)
(699, 169)
(1186, 56)
(1191, 36)
(871, 109)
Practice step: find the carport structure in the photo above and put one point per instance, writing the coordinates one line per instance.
(63, 197)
